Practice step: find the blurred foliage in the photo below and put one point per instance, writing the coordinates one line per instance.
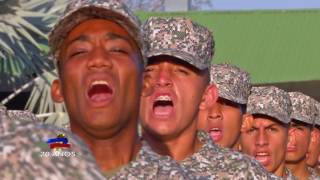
(24, 25)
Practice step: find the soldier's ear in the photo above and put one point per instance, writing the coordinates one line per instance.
(247, 122)
(209, 97)
(56, 92)
(315, 136)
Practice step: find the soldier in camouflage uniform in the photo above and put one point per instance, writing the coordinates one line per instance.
(314, 147)
(268, 113)
(223, 120)
(176, 83)
(303, 117)
(24, 153)
(98, 50)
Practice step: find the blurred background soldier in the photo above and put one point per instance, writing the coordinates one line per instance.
(303, 117)
(223, 119)
(314, 147)
(268, 112)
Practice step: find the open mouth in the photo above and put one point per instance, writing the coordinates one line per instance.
(216, 134)
(263, 158)
(163, 106)
(100, 91)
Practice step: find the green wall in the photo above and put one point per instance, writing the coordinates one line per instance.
(274, 46)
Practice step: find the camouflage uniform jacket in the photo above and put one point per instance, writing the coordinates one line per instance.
(289, 175)
(213, 162)
(314, 175)
(25, 154)
(24, 151)
(149, 165)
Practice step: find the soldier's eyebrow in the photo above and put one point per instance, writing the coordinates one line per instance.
(79, 38)
(114, 36)
(108, 36)
(272, 125)
(266, 127)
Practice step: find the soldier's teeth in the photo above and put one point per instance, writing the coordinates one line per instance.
(215, 129)
(262, 154)
(163, 98)
(101, 82)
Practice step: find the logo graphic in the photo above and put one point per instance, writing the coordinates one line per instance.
(60, 142)
(59, 147)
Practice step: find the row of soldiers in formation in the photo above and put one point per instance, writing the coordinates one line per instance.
(198, 120)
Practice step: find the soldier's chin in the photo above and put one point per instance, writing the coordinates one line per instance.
(293, 159)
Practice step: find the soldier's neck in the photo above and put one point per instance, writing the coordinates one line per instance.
(236, 146)
(299, 169)
(280, 171)
(179, 147)
(114, 150)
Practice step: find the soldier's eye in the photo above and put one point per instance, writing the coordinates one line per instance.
(272, 129)
(119, 50)
(252, 130)
(148, 69)
(182, 71)
(77, 52)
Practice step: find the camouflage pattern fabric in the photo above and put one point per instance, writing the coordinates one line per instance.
(213, 162)
(22, 115)
(271, 101)
(150, 165)
(179, 37)
(314, 175)
(289, 175)
(24, 153)
(78, 11)
(233, 83)
(304, 107)
(317, 120)
(14, 120)
(23, 150)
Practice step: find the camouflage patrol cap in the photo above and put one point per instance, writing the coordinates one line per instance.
(304, 107)
(270, 101)
(179, 37)
(78, 11)
(233, 83)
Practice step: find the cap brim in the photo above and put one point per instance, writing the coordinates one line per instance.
(230, 97)
(178, 54)
(280, 119)
(301, 119)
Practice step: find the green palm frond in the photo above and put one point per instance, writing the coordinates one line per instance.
(41, 103)
(24, 25)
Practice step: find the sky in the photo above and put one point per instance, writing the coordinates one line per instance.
(236, 5)
(265, 4)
